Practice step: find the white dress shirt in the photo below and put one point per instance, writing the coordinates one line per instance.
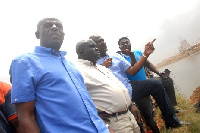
(107, 92)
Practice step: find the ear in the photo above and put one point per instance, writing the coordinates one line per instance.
(37, 34)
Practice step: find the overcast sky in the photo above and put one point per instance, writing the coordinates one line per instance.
(140, 20)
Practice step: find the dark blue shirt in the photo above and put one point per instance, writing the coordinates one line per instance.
(62, 103)
(6, 110)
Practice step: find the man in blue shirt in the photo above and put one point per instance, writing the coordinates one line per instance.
(120, 67)
(124, 43)
(48, 91)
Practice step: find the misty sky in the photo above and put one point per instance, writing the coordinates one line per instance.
(141, 21)
(172, 30)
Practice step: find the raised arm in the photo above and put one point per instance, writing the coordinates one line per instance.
(132, 55)
(149, 48)
(26, 117)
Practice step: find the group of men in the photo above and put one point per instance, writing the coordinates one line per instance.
(51, 94)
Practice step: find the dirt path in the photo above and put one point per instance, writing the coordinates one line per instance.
(195, 96)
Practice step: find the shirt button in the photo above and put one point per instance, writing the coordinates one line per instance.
(85, 102)
(15, 100)
(92, 118)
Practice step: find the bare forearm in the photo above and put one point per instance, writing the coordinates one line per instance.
(133, 60)
(149, 48)
(152, 68)
(137, 66)
(26, 117)
(28, 125)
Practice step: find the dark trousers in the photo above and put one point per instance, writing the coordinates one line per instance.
(145, 88)
(168, 84)
(145, 108)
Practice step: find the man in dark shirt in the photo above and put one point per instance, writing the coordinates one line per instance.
(8, 117)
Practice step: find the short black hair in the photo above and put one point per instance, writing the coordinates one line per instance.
(122, 39)
(95, 38)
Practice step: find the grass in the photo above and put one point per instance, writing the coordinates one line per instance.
(188, 114)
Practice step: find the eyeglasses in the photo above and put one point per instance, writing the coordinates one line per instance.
(49, 24)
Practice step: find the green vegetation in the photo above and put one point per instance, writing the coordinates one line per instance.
(188, 114)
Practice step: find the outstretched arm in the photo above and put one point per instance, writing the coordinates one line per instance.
(149, 48)
(152, 68)
(26, 117)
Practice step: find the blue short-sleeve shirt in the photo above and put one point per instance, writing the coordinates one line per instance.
(141, 75)
(118, 68)
(62, 103)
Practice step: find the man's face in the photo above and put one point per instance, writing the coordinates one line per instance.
(125, 44)
(101, 45)
(51, 34)
(91, 52)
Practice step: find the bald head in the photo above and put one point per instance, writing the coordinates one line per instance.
(82, 45)
(50, 33)
(86, 50)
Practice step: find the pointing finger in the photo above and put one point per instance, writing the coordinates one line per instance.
(153, 40)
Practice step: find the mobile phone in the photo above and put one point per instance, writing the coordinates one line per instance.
(120, 52)
(166, 74)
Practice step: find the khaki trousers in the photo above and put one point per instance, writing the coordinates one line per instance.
(124, 123)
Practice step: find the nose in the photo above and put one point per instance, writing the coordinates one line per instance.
(54, 27)
(104, 43)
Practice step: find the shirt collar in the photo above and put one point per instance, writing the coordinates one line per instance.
(86, 62)
(126, 56)
(106, 56)
(50, 51)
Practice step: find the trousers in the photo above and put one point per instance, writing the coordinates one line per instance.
(143, 89)
(145, 108)
(168, 84)
(124, 123)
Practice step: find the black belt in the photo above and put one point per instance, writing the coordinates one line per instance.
(112, 115)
